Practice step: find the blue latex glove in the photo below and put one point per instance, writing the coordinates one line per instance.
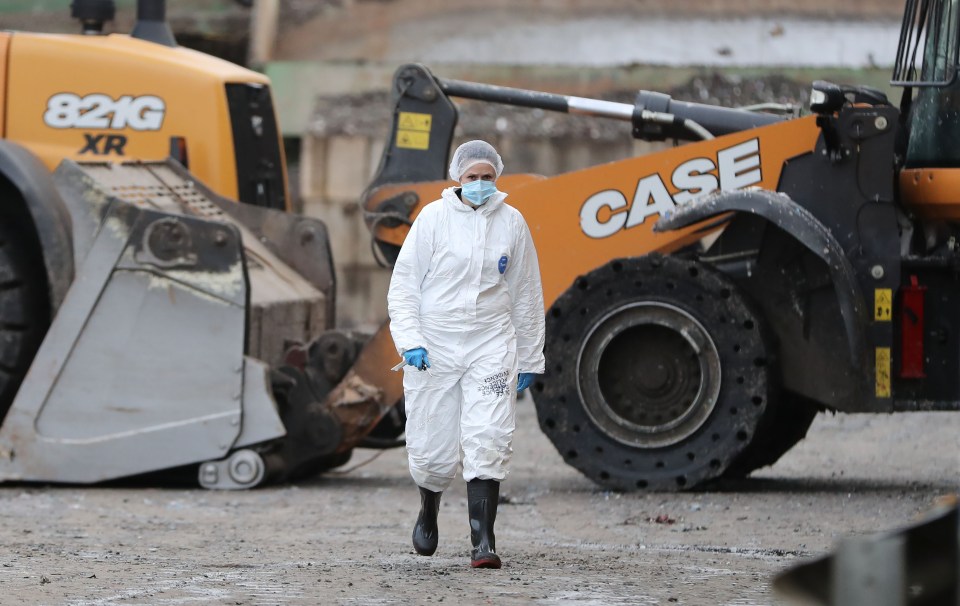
(417, 357)
(524, 380)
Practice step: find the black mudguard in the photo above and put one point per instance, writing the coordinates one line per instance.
(783, 212)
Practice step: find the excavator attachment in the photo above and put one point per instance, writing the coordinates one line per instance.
(169, 346)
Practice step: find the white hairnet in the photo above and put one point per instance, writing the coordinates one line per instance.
(474, 152)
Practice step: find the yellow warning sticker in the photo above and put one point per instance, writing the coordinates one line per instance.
(882, 305)
(413, 130)
(883, 372)
(411, 139)
(414, 121)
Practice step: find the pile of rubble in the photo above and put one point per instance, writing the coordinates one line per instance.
(294, 13)
(734, 91)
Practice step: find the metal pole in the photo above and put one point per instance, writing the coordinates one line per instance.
(536, 99)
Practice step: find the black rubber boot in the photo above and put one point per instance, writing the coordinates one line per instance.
(482, 497)
(425, 532)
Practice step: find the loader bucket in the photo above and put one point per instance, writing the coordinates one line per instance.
(160, 355)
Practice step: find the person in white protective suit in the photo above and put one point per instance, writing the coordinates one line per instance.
(466, 313)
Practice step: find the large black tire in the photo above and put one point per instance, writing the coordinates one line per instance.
(24, 306)
(784, 423)
(658, 373)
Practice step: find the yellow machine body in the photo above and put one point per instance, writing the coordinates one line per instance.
(618, 203)
(117, 98)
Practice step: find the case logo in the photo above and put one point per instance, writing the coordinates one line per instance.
(69, 110)
(607, 212)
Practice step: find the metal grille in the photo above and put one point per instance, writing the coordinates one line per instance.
(168, 192)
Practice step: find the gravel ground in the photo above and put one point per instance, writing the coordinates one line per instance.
(344, 538)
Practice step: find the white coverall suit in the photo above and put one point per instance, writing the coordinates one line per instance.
(466, 287)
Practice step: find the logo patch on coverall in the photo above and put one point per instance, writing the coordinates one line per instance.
(502, 264)
(495, 385)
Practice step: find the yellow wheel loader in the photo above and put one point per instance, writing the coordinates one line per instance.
(148, 322)
(704, 302)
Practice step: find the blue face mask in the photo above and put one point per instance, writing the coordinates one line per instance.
(477, 192)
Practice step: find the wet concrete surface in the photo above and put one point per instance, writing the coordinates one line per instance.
(344, 538)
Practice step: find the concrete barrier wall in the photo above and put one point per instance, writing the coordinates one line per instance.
(334, 170)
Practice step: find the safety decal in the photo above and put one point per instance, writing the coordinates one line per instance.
(883, 372)
(495, 385)
(413, 130)
(608, 212)
(883, 304)
(502, 264)
(69, 110)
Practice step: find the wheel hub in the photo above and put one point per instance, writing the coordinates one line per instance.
(649, 374)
